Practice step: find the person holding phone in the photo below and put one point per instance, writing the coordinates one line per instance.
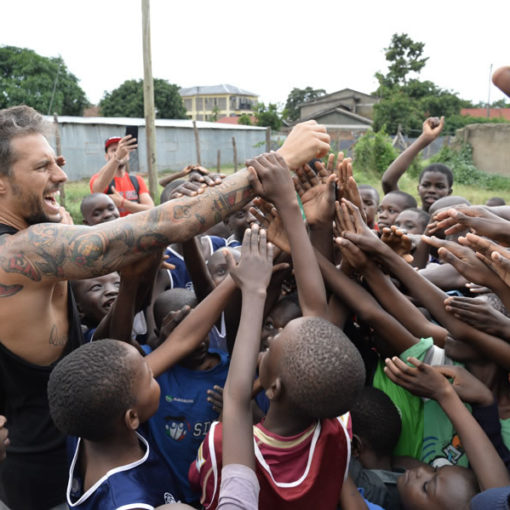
(128, 192)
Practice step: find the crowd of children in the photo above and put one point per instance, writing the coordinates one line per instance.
(319, 348)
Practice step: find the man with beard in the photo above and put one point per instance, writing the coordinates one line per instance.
(38, 319)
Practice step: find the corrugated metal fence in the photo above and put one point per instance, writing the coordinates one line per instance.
(82, 141)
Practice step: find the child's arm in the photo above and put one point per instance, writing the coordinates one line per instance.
(192, 330)
(350, 498)
(465, 261)
(479, 314)
(432, 128)
(366, 307)
(390, 297)
(431, 382)
(136, 283)
(197, 269)
(252, 275)
(432, 298)
(481, 219)
(270, 177)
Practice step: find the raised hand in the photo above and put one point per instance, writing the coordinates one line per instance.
(466, 385)
(200, 174)
(270, 178)
(306, 141)
(355, 258)
(421, 379)
(398, 241)
(255, 267)
(317, 193)
(492, 254)
(465, 261)
(215, 398)
(479, 219)
(126, 145)
(269, 219)
(172, 320)
(347, 187)
(480, 314)
(432, 128)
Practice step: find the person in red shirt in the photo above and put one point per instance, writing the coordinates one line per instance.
(129, 193)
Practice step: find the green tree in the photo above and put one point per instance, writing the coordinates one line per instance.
(245, 119)
(407, 102)
(127, 100)
(297, 96)
(268, 117)
(404, 56)
(373, 153)
(398, 109)
(44, 83)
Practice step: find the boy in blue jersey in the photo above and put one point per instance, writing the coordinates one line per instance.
(185, 415)
(101, 393)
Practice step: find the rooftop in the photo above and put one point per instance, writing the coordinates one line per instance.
(224, 88)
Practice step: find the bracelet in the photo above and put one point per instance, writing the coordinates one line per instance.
(122, 202)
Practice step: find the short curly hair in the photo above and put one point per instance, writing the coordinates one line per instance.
(18, 121)
(440, 168)
(321, 369)
(91, 388)
(373, 407)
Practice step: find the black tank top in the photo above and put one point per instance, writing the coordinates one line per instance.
(23, 397)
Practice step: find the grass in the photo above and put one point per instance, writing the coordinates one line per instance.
(75, 191)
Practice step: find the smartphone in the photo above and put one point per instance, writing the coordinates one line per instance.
(133, 131)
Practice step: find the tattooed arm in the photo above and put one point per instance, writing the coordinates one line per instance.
(59, 252)
(52, 251)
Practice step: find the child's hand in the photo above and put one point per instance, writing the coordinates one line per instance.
(200, 174)
(479, 314)
(4, 437)
(493, 254)
(468, 387)
(465, 261)
(351, 254)
(421, 379)
(270, 178)
(255, 267)
(172, 320)
(317, 193)
(215, 398)
(347, 187)
(306, 141)
(137, 270)
(481, 220)
(270, 220)
(398, 241)
(432, 128)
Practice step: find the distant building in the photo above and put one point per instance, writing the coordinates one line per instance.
(494, 113)
(347, 107)
(217, 101)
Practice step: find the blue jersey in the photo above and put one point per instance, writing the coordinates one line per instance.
(179, 277)
(184, 417)
(145, 483)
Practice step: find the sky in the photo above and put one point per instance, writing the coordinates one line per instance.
(266, 47)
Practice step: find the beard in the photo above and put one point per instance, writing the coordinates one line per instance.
(33, 213)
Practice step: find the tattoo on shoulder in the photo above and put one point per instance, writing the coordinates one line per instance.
(9, 290)
(19, 263)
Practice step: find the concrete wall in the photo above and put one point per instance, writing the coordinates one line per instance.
(83, 143)
(491, 146)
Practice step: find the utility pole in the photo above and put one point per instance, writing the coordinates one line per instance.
(148, 100)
